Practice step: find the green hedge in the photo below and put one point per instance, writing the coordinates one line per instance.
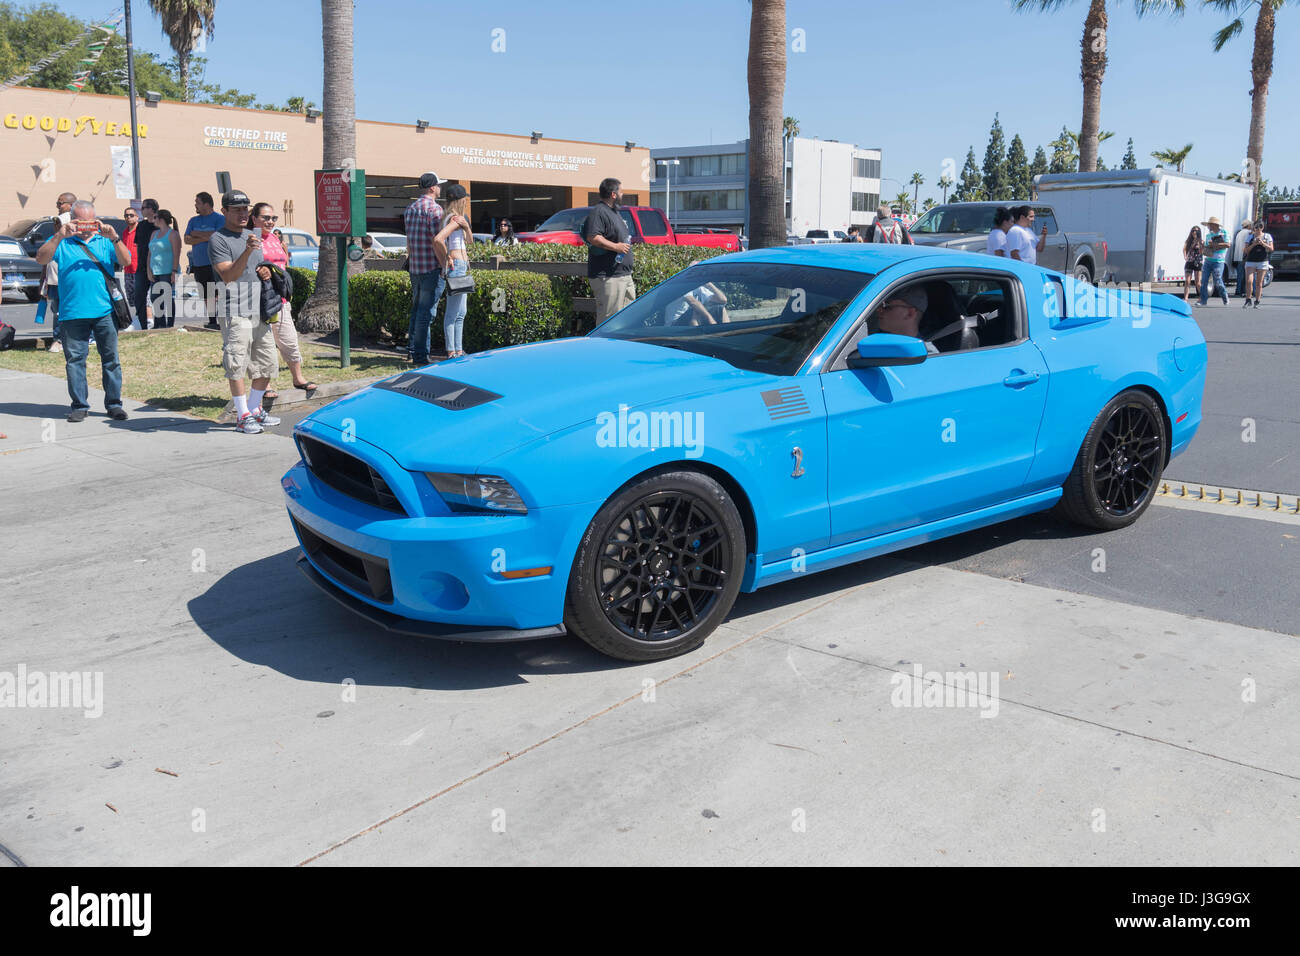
(304, 282)
(505, 308)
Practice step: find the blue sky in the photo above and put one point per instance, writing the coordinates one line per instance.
(920, 79)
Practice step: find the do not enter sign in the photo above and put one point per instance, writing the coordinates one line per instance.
(340, 202)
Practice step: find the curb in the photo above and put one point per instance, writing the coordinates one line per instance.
(290, 397)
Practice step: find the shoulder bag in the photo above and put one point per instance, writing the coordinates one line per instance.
(121, 311)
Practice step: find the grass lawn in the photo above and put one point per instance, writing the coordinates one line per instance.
(181, 372)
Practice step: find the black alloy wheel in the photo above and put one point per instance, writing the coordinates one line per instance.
(658, 569)
(1119, 465)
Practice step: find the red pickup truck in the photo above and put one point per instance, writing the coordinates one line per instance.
(646, 224)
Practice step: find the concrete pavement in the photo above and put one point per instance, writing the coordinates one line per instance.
(246, 720)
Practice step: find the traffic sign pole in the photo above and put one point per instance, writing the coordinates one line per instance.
(345, 344)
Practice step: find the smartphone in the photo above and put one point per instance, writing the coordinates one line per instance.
(85, 228)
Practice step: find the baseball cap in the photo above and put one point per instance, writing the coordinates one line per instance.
(234, 197)
(455, 191)
(915, 297)
(428, 180)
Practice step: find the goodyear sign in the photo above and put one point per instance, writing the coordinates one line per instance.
(92, 125)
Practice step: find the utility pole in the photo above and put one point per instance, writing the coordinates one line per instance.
(130, 92)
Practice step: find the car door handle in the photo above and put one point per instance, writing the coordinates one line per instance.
(1019, 379)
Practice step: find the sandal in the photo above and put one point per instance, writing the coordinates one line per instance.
(307, 387)
(271, 393)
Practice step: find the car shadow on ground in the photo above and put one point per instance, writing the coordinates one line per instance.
(267, 613)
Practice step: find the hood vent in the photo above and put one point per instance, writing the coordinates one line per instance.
(443, 392)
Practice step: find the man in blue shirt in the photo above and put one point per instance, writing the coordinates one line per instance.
(197, 233)
(84, 303)
(1216, 253)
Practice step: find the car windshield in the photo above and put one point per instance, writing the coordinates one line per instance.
(759, 316)
(19, 228)
(299, 239)
(9, 247)
(393, 241)
(960, 218)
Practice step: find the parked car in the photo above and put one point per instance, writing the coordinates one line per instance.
(34, 233)
(19, 272)
(303, 250)
(645, 223)
(626, 485)
(389, 241)
(1282, 222)
(966, 226)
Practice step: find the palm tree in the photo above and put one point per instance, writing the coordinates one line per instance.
(1261, 69)
(903, 201)
(183, 22)
(945, 183)
(917, 181)
(1174, 157)
(1092, 67)
(1102, 136)
(320, 313)
(766, 77)
(298, 104)
(789, 128)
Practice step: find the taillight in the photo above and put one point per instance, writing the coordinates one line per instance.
(1105, 251)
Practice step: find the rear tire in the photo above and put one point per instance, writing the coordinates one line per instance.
(1083, 273)
(658, 568)
(33, 295)
(1118, 468)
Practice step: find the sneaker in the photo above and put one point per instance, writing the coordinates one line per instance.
(1257, 303)
(262, 418)
(248, 424)
(56, 346)
(77, 415)
(1245, 304)
(117, 413)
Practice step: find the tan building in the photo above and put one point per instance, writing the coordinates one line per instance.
(52, 141)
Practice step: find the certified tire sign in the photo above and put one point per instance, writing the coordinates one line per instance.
(340, 202)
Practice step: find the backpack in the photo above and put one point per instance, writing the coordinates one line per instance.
(6, 336)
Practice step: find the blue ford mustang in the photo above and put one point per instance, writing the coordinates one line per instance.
(755, 417)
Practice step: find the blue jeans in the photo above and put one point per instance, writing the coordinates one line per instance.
(453, 320)
(75, 334)
(426, 290)
(1241, 278)
(1213, 268)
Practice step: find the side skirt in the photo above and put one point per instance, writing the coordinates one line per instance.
(757, 576)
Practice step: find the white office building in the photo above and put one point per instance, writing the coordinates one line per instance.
(829, 185)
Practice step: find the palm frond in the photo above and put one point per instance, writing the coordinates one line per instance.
(1227, 33)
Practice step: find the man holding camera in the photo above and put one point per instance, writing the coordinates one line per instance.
(77, 248)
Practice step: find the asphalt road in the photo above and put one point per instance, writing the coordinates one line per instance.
(1147, 678)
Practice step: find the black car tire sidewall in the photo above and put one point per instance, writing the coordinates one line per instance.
(582, 612)
(1080, 500)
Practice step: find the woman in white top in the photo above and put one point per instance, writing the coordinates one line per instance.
(997, 243)
(451, 239)
(1022, 244)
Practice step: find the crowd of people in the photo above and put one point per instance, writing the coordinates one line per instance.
(1207, 254)
(237, 261)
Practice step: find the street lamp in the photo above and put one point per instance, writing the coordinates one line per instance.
(668, 188)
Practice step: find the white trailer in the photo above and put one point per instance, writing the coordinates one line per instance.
(1145, 214)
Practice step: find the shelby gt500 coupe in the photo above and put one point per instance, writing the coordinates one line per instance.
(755, 417)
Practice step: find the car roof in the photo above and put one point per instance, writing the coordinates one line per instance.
(870, 257)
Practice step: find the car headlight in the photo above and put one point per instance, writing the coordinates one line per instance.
(477, 494)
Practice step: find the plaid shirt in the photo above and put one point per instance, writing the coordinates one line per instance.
(423, 219)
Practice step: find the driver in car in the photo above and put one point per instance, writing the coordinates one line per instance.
(902, 314)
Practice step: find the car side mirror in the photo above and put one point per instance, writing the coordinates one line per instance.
(885, 348)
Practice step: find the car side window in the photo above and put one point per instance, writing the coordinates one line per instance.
(1043, 216)
(962, 314)
(652, 224)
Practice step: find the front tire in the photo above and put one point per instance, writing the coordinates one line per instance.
(1118, 468)
(658, 568)
(33, 295)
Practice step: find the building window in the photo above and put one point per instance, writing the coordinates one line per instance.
(710, 199)
(865, 202)
(729, 164)
(866, 168)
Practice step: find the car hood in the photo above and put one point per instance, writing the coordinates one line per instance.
(464, 412)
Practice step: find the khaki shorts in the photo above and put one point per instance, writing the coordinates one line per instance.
(611, 295)
(248, 348)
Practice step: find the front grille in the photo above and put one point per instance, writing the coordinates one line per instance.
(348, 474)
(363, 573)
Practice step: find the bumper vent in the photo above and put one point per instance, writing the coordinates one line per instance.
(348, 474)
(360, 572)
(442, 392)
